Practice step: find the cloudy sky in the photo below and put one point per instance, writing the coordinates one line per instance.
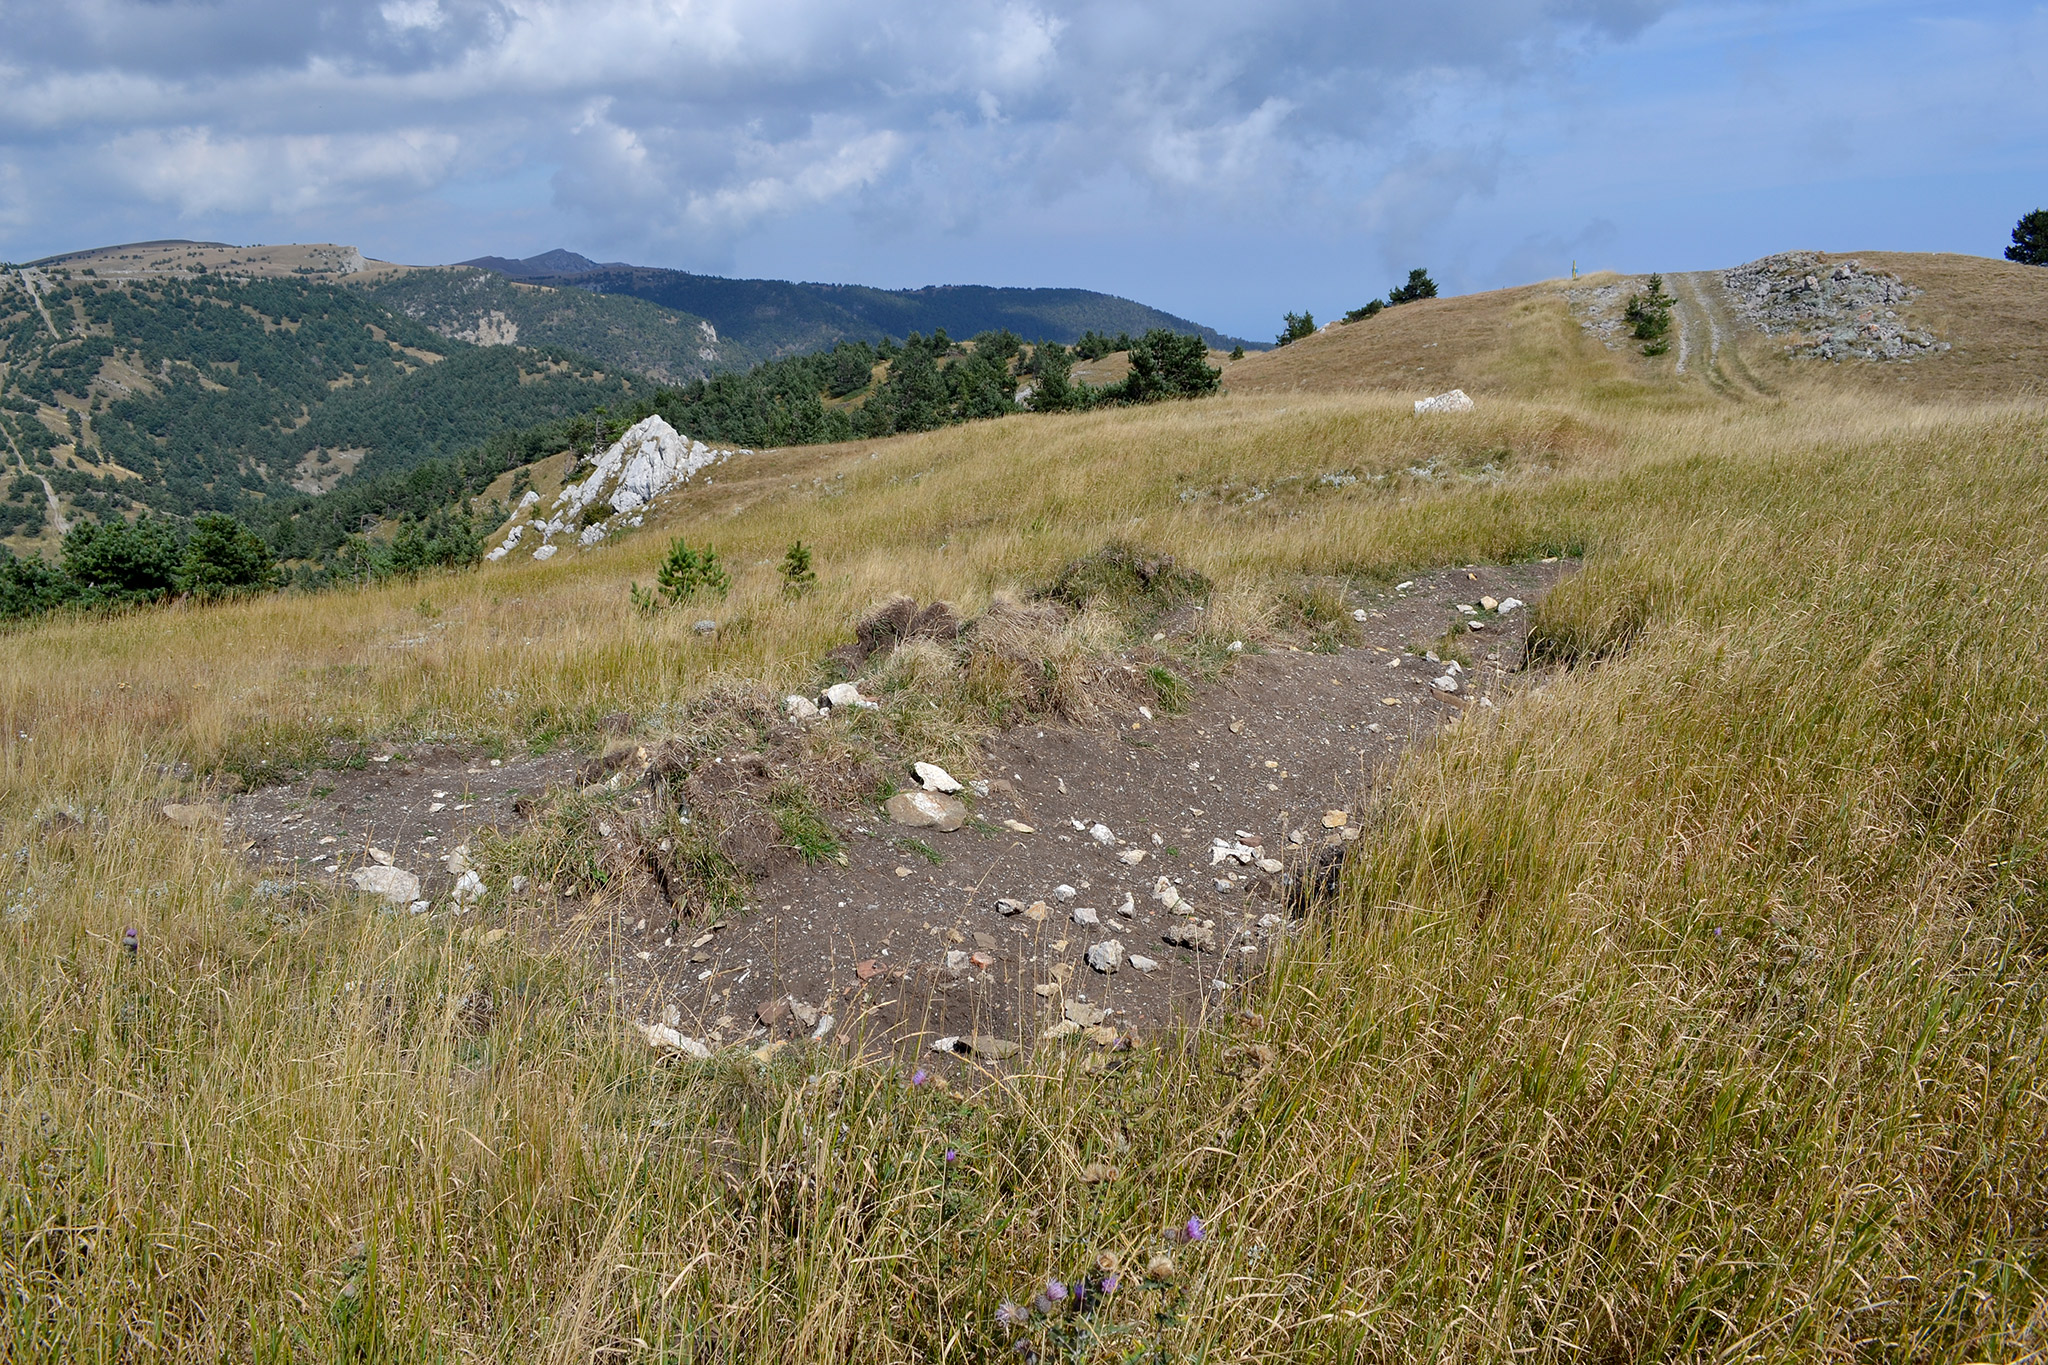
(1225, 160)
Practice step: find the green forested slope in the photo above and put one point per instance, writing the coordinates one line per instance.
(613, 329)
(213, 393)
(781, 317)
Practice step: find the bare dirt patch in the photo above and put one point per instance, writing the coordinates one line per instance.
(417, 805)
(1077, 836)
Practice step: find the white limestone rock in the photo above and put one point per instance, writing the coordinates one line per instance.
(1455, 401)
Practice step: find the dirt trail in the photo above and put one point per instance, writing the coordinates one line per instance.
(923, 933)
(1707, 334)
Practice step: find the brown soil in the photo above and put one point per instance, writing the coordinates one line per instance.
(417, 805)
(1268, 756)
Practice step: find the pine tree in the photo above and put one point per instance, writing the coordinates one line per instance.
(798, 577)
(1419, 286)
(2030, 239)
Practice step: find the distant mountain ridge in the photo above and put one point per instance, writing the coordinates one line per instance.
(782, 317)
(476, 304)
(560, 261)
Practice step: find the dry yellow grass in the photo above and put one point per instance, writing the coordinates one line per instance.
(1690, 1009)
(1523, 342)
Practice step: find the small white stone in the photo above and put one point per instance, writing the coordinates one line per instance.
(1106, 956)
(1507, 605)
(1129, 909)
(1454, 401)
(394, 884)
(846, 694)
(1063, 892)
(1131, 857)
(1084, 915)
(1102, 834)
(469, 889)
(1235, 646)
(957, 960)
(1143, 963)
(933, 778)
(799, 708)
(1446, 683)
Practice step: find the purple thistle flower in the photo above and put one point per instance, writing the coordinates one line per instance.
(1195, 1233)
(952, 1155)
(1055, 1291)
(1110, 1282)
(919, 1076)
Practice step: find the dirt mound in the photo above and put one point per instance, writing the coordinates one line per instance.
(895, 623)
(1128, 580)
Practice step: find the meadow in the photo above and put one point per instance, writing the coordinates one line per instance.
(1689, 1008)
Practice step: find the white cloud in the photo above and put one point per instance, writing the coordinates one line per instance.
(795, 176)
(684, 131)
(204, 173)
(403, 15)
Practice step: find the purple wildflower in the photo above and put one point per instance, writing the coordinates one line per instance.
(919, 1076)
(1195, 1233)
(952, 1155)
(1010, 1315)
(1110, 1282)
(1055, 1291)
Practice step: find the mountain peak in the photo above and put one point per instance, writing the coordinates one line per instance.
(560, 261)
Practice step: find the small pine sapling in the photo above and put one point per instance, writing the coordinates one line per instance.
(688, 572)
(1649, 317)
(798, 577)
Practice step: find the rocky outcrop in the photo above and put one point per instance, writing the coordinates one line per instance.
(649, 460)
(1829, 310)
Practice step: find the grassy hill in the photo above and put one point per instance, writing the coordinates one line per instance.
(172, 391)
(779, 317)
(1530, 341)
(1693, 1005)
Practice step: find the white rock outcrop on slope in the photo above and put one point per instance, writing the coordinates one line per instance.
(649, 460)
(1455, 401)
